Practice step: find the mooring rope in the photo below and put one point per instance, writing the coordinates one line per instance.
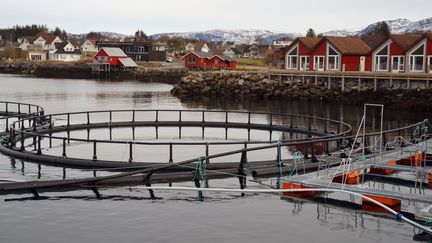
(399, 216)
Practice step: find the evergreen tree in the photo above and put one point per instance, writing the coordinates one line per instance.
(310, 33)
(382, 28)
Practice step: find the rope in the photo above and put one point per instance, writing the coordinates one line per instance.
(199, 176)
(398, 215)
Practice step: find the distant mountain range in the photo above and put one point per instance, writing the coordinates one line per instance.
(238, 36)
(397, 26)
(265, 37)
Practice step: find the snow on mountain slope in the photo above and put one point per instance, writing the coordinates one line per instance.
(237, 36)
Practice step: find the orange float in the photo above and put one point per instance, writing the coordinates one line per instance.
(393, 203)
(416, 160)
(287, 185)
(351, 178)
(430, 180)
(379, 171)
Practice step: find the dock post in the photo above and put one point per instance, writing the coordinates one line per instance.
(94, 150)
(409, 83)
(64, 149)
(207, 154)
(328, 83)
(316, 80)
(130, 153)
(391, 82)
(171, 153)
(343, 83)
(359, 84)
(375, 85)
(39, 149)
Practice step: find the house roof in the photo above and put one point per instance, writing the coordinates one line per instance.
(235, 50)
(93, 41)
(114, 52)
(349, 45)
(248, 47)
(48, 38)
(202, 54)
(308, 42)
(127, 62)
(405, 41)
(60, 49)
(209, 55)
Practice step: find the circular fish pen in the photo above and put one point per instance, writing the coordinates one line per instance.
(286, 144)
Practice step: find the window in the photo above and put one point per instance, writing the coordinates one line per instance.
(416, 60)
(398, 63)
(430, 64)
(292, 59)
(382, 59)
(333, 59)
(304, 63)
(319, 63)
(192, 60)
(216, 61)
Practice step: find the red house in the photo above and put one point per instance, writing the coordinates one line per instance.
(115, 57)
(398, 54)
(297, 54)
(428, 38)
(205, 60)
(333, 53)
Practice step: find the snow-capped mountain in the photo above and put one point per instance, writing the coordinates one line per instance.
(397, 26)
(237, 36)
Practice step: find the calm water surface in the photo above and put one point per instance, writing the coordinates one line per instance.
(127, 215)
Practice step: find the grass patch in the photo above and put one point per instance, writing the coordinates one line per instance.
(251, 62)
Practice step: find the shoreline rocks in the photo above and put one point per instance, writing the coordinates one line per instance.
(258, 86)
(84, 71)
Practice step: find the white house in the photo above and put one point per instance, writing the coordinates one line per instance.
(203, 47)
(25, 43)
(89, 46)
(281, 43)
(66, 52)
(232, 52)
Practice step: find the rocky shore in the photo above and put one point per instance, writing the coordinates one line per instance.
(84, 71)
(259, 86)
(46, 69)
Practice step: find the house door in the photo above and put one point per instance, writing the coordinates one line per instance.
(362, 64)
(319, 63)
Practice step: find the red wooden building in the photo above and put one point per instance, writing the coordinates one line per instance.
(392, 55)
(428, 38)
(297, 54)
(205, 60)
(115, 57)
(333, 53)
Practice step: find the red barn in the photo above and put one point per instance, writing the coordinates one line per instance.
(397, 54)
(297, 54)
(115, 57)
(205, 60)
(333, 53)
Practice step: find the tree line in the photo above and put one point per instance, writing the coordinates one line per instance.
(13, 33)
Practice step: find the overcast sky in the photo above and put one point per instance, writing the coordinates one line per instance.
(157, 16)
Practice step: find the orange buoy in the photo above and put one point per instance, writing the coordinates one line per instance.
(379, 171)
(351, 178)
(288, 185)
(430, 180)
(389, 202)
(416, 160)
